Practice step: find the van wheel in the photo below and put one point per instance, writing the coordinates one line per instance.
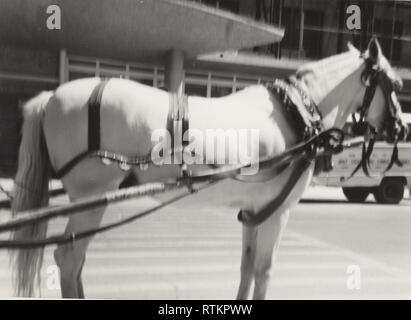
(391, 190)
(356, 194)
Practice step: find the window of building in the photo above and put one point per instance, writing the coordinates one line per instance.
(384, 28)
(290, 42)
(312, 35)
(197, 82)
(406, 106)
(217, 91)
(312, 43)
(195, 89)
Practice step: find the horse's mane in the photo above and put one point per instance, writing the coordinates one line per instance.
(321, 77)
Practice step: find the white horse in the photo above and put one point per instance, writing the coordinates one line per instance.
(131, 112)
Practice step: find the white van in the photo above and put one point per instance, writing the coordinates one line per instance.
(386, 188)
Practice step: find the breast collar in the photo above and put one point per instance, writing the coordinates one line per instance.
(300, 110)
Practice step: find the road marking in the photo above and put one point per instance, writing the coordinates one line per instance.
(362, 259)
(205, 262)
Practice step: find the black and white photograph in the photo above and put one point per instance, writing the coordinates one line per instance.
(212, 150)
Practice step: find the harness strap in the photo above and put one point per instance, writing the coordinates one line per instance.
(251, 219)
(364, 162)
(185, 119)
(331, 140)
(394, 158)
(367, 156)
(301, 111)
(58, 174)
(177, 123)
(177, 120)
(94, 104)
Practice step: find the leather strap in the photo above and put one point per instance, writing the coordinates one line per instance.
(94, 104)
(250, 219)
(301, 112)
(177, 122)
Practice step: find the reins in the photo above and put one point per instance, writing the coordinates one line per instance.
(371, 77)
(70, 238)
(331, 141)
(300, 157)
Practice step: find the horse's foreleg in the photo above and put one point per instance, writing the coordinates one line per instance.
(80, 290)
(267, 243)
(247, 261)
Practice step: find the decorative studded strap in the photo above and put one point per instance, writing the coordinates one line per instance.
(301, 111)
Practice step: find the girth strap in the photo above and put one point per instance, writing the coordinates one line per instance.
(93, 104)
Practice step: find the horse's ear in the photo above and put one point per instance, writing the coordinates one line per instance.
(351, 47)
(374, 49)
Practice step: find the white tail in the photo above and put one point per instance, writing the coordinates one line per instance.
(30, 192)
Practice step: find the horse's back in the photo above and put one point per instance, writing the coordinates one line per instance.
(73, 96)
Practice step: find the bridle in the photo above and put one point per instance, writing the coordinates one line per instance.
(372, 76)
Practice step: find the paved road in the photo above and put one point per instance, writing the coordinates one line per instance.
(194, 253)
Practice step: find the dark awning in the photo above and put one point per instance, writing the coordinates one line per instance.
(131, 29)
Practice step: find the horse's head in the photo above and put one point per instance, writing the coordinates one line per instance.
(379, 106)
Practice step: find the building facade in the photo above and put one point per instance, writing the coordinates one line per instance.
(318, 28)
(313, 29)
